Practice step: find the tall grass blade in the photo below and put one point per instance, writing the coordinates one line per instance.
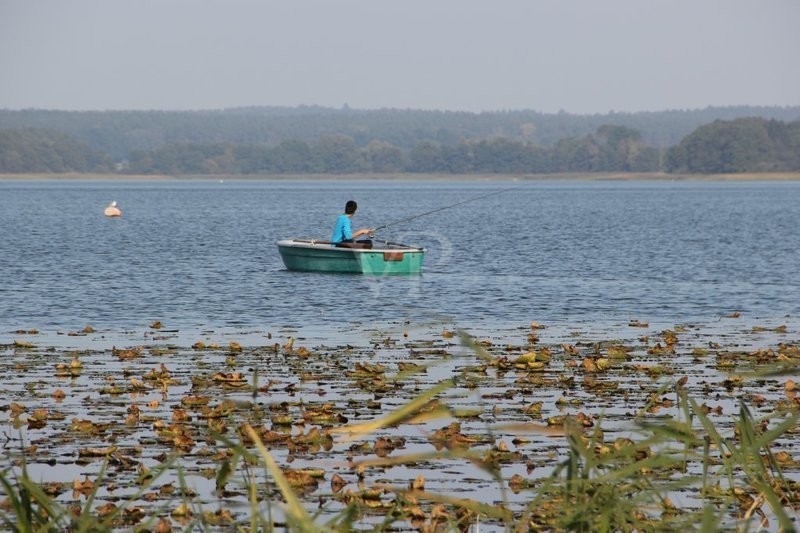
(294, 508)
(357, 431)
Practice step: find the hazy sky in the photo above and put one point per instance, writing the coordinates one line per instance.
(582, 56)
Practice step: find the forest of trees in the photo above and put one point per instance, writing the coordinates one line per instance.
(36, 150)
(611, 148)
(741, 145)
(321, 140)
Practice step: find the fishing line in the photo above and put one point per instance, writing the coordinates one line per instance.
(446, 207)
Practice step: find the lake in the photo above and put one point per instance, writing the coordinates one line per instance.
(639, 285)
(200, 254)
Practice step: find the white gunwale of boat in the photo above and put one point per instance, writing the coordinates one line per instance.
(317, 244)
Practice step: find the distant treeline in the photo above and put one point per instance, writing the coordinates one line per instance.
(742, 145)
(611, 148)
(36, 150)
(320, 140)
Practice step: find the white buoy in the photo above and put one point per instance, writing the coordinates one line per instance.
(112, 210)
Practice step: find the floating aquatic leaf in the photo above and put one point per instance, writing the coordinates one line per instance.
(384, 445)
(16, 409)
(324, 416)
(96, 452)
(163, 526)
(301, 481)
(265, 435)
(219, 411)
(181, 510)
(34, 423)
(337, 483)
(618, 352)
(128, 353)
(195, 401)
(137, 385)
(533, 359)
(40, 414)
(570, 349)
(534, 409)
(410, 367)
(85, 486)
(282, 420)
(289, 345)
(230, 378)
(451, 437)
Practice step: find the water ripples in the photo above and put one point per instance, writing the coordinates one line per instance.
(202, 253)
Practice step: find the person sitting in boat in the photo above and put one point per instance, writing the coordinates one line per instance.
(342, 232)
(112, 210)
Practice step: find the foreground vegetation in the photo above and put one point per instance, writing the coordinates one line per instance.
(541, 428)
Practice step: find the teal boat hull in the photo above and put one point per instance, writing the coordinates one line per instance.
(316, 256)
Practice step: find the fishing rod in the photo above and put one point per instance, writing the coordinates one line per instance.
(446, 207)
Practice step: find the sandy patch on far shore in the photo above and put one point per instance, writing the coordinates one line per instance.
(627, 176)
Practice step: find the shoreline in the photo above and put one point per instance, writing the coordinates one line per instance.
(612, 176)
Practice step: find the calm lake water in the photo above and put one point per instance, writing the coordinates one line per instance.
(583, 258)
(202, 254)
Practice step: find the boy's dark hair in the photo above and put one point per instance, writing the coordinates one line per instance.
(350, 207)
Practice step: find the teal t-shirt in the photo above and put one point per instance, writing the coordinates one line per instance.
(342, 231)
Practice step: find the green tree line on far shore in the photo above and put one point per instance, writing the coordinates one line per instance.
(723, 146)
(611, 148)
(120, 133)
(28, 150)
(742, 145)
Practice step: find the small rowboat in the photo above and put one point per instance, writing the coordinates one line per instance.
(322, 256)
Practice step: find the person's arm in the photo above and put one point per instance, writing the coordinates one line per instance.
(363, 231)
